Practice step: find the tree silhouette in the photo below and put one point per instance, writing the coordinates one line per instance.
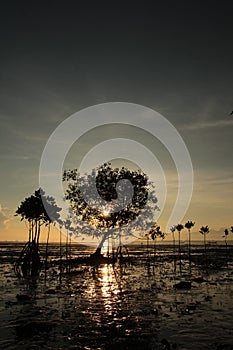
(204, 230)
(189, 225)
(155, 232)
(32, 210)
(226, 233)
(116, 200)
(173, 229)
(179, 228)
(231, 229)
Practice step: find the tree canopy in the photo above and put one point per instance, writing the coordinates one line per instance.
(111, 198)
(32, 210)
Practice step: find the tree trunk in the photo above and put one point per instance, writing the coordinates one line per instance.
(179, 251)
(46, 249)
(226, 251)
(205, 250)
(98, 249)
(179, 246)
(189, 249)
(174, 250)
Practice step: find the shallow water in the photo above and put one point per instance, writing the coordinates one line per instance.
(123, 307)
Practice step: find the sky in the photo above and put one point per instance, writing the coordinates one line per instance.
(174, 57)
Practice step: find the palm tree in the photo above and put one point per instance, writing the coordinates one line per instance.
(179, 228)
(189, 225)
(173, 229)
(204, 230)
(155, 232)
(226, 233)
(231, 229)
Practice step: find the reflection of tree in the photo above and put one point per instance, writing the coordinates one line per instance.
(109, 199)
(32, 210)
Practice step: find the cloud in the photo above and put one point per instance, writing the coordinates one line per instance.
(3, 219)
(13, 157)
(208, 124)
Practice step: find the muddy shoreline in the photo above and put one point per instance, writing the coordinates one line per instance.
(121, 306)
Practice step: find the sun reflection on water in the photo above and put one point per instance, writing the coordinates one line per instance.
(109, 285)
(103, 288)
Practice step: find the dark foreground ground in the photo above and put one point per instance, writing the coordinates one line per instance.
(129, 306)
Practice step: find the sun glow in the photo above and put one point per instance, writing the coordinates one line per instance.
(105, 247)
(106, 212)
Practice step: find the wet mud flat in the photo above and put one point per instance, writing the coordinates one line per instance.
(125, 306)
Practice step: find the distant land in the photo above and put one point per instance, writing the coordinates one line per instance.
(212, 236)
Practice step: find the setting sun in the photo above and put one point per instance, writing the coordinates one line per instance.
(106, 212)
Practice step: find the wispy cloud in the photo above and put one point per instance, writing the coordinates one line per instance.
(13, 157)
(208, 124)
(3, 218)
